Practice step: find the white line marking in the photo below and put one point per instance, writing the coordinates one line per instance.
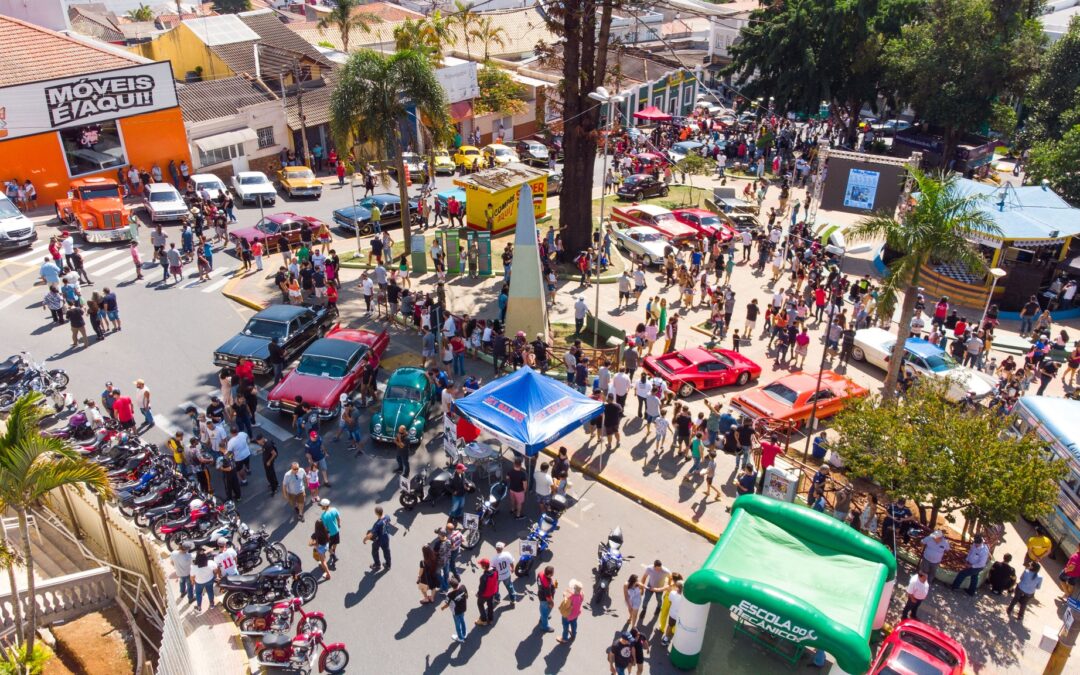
(165, 425)
(39, 250)
(218, 284)
(114, 265)
(272, 428)
(588, 506)
(98, 258)
(128, 274)
(213, 273)
(10, 300)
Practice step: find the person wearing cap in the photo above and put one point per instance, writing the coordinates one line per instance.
(621, 654)
(331, 518)
(934, 550)
(486, 592)
(225, 560)
(316, 454)
(504, 566)
(458, 487)
(181, 561)
(977, 558)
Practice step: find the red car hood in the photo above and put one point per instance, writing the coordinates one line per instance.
(250, 233)
(673, 229)
(318, 392)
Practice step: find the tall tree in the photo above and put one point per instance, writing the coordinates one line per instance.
(231, 6)
(954, 63)
(346, 17)
(141, 13)
(803, 52)
(1054, 90)
(489, 34)
(466, 18)
(371, 102)
(1058, 161)
(31, 465)
(428, 36)
(938, 226)
(585, 29)
(499, 93)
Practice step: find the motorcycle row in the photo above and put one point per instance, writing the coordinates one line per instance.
(265, 604)
(20, 375)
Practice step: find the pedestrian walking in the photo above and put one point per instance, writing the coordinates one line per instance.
(142, 394)
(294, 489)
(486, 592)
(632, 594)
(1030, 581)
(546, 584)
(570, 609)
(917, 590)
(379, 538)
(458, 597)
(269, 456)
(319, 543)
(504, 566)
(331, 518)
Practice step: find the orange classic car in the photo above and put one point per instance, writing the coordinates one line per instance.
(791, 398)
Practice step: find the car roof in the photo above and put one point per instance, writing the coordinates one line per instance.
(650, 209)
(204, 176)
(357, 335)
(498, 145)
(466, 148)
(161, 187)
(281, 312)
(93, 180)
(384, 198)
(295, 169)
(638, 176)
(282, 217)
(921, 347)
(334, 348)
(799, 382)
(407, 375)
(251, 173)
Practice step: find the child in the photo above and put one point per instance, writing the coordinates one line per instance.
(695, 452)
(313, 482)
(735, 340)
(709, 473)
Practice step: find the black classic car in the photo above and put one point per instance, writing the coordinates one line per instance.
(642, 185)
(291, 326)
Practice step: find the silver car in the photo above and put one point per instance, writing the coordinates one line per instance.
(164, 204)
(641, 241)
(251, 186)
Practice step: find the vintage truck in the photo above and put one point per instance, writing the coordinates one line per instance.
(96, 206)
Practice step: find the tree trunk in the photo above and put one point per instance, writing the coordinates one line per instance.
(922, 513)
(907, 311)
(934, 516)
(31, 616)
(16, 604)
(403, 194)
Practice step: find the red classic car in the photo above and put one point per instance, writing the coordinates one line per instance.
(707, 223)
(697, 368)
(330, 367)
(791, 398)
(656, 217)
(273, 225)
(914, 647)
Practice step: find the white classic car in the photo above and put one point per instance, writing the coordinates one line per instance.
(874, 345)
(250, 186)
(163, 203)
(642, 241)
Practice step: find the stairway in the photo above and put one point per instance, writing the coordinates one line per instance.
(54, 556)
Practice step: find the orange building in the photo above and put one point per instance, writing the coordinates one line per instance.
(71, 107)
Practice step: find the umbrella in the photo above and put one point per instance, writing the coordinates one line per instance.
(653, 114)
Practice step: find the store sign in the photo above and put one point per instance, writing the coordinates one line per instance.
(771, 622)
(459, 82)
(38, 107)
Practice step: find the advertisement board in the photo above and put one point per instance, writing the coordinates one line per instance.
(504, 203)
(862, 186)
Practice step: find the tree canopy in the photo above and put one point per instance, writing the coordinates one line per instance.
(344, 16)
(231, 6)
(1058, 161)
(499, 93)
(1053, 96)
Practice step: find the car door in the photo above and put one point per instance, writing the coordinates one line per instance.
(828, 403)
(382, 341)
(391, 213)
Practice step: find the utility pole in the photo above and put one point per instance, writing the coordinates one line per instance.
(300, 111)
(1070, 630)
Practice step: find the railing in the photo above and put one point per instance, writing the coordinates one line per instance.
(62, 598)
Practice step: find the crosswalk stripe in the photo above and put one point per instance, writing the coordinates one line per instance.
(217, 284)
(130, 272)
(10, 300)
(25, 257)
(98, 258)
(113, 265)
(213, 273)
(272, 428)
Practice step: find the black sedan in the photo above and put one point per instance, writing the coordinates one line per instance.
(357, 218)
(291, 326)
(641, 186)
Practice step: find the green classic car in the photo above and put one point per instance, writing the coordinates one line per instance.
(408, 396)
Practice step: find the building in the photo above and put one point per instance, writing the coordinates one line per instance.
(1056, 17)
(630, 26)
(726, 26)
(73, 107)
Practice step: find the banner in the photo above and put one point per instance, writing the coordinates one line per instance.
(453, 252)
(483, 243)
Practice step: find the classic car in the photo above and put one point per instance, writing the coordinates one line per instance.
(444, 164)
(729, 201)
(740, 222)
(890, 127)
(532, 151)
(328, 370)
(163, 203)
(96, 206)
(468, 157)
(647, 160)
(415, 164)
(406, 401)
(252, 186)
(208, 183)
(299, 181)
(554, 183)
(678, 151)
(656, 217)
(358, 217)
(695, 368)
(792, 397)
(269, 227)
(641, 185)
(291, 326)
(643, 242)
(499, 154)
(915, 648)
(707, 223)
(875, 345)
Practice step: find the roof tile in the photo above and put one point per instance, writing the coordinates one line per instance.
(33, 53)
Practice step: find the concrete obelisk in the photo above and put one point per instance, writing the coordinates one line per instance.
(526, 309)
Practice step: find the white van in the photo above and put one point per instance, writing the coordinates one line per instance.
(16, 230)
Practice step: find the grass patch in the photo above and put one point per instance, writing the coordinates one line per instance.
(562, 335)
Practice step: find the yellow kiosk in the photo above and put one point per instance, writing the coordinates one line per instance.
(500, 188)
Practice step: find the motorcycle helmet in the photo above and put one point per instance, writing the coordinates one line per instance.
(196, 504)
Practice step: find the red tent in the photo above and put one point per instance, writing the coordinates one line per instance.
(653, 114)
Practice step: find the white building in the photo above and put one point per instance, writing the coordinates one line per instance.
(1056, 17)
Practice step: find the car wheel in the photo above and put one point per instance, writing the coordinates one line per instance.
(649, 262)
(638, 196)
(366, 229)
(664, 191)
(686, 389)
(60, 216)
(744, 377)
(858, 354)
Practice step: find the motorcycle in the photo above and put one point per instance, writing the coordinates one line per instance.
(11, 369)
(210, 538)
(252, 547)
(78, 428)
(273, 583)
(298, 653)
(197, 524)
(172, 507)
(278, 618)
(165, 488)
(33, 377)
(426, 486)
(609, 560)
(95, 448)
(486, 510)
(540, 534)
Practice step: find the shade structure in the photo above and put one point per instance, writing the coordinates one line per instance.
(652, 114)
(527, 410)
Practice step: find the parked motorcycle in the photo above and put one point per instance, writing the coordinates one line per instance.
(609, 560)
(298, 653)
(252, 547)
(540, 534)
(426, 486)
(195, 527)
(278, 618)
(162, 489)
(273, 583)
(172, 507)
(78, 428)
(33, 377)
(486, 509)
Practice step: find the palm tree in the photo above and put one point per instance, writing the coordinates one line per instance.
(939, 226)
(142, 13)
(488, 34)
(31, 465)
(371, 101)
(468, 19)
(344, 17)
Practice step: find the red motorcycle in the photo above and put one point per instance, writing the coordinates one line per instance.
(278, 618)
(275, 650)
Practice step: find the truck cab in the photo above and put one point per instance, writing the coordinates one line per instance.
(96, 206)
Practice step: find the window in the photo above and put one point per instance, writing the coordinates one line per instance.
(92, 148)
(688, 95)
(266, 137)
(219, 155)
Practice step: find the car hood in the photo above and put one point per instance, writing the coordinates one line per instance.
(177, 205)
(250, 233)
(443, 160)
(319, 392)
(257, 189)
(396, 413)
(758, 403)
(354, 213)
(301, 182)
(970, 380)
(246, 345)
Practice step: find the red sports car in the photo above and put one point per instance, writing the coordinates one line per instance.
(656, 217)
(705, 222)
(913, 648)
(273, 225)
(330, 367)
(696, 368)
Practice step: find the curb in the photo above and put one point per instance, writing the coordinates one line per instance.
(604, 279)
(659, 509)
(246, 302)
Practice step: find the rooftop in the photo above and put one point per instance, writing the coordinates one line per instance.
(33, 53)
(1025, 212)
(232, 37)
(211, 99)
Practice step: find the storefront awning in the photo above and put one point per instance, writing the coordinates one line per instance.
(462, 110)
(226, 139)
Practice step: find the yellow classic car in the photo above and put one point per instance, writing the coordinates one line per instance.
(502, 154)
(443, 162)
(468, 157)
(299, 181)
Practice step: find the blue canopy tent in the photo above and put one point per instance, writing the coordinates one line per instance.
(527, 410)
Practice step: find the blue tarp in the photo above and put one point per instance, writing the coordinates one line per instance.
(527, 410)
(1028, 212)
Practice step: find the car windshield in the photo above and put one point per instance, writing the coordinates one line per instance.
(472, 151)
(632, 180)
(269, 227)
(781, 393)
(712, 221)
(8, 210)
(665, 218)
(301, 174)
(940, 363)
(502, 152)
(938, 651)
(722, 358)
(211, 185)
(164, 196)
(323, 366)
(252, 180)
(265, 328)
(647, 236)
(399, 392)
(910, 664)
(103, 192)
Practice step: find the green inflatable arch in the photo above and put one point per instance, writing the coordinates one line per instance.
(794, 573)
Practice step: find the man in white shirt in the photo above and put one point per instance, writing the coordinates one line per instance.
(620, 386)
(580, 310)
(917, 325)
(543, 483)
(225, 559)
(977, 558)
(917, 590)
(367, 289)
(240, 446)
(181, 560)
(504, 566)
(624, 289)
(935, 547)
(570, 361)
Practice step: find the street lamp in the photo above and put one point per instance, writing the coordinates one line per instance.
(601, 94)
(997, 273)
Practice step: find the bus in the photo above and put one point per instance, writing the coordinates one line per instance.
(1054, 421)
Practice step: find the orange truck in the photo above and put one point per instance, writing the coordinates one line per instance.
(96, 206)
